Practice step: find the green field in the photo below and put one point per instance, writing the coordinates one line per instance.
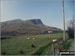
(21, 45)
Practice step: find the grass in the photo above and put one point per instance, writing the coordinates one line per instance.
(21, 45)
(67, 44)
(42, 49)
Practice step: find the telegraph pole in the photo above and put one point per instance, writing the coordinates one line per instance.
(64, 36)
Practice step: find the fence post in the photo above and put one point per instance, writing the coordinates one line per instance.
(53, 49)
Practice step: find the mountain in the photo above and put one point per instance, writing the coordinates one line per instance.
(19, 27)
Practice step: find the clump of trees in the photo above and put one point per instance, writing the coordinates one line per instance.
(70, 29)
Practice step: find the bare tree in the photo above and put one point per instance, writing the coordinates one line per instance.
(70, 29)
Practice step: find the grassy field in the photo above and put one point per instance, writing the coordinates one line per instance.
(29, 44)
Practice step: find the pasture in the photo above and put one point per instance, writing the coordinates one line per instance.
(29, 44)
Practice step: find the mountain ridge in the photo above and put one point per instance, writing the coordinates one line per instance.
(18, 27)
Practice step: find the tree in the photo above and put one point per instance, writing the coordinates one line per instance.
(70, 29)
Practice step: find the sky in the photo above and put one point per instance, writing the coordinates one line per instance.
(49, 11)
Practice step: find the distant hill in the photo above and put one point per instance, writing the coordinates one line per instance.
(18, 27)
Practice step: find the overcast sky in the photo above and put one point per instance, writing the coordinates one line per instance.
(49, 11)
